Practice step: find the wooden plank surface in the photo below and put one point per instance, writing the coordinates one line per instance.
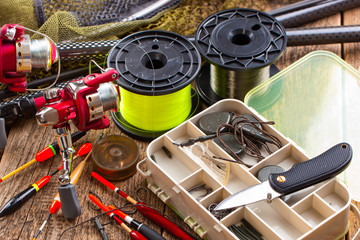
(26, 138)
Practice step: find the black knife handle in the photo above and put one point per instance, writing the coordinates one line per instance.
(318, 169)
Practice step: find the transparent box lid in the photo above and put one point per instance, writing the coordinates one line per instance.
(316, 103)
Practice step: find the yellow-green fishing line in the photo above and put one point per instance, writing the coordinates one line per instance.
(155, 113)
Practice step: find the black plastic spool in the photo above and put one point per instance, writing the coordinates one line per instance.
(235, 40)
(153, 63)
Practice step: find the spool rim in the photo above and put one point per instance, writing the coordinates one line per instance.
(180, 55)
(241, 39)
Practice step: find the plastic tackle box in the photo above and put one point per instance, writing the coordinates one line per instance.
(319, 212)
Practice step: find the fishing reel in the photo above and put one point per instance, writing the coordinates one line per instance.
(82, 102)
(19, 54)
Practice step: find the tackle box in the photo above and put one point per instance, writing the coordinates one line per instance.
(318, 212)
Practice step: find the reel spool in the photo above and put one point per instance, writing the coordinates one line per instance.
(156, 69)
(239, 45)
(19, 54)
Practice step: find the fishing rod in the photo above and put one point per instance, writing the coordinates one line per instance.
(295, 7)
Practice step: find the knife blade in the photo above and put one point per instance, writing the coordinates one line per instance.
(301, 175)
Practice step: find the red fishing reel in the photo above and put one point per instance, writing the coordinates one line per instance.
(82, 101)
(19, 54)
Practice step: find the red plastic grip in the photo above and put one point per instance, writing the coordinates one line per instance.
(103, 181)
(163, 222)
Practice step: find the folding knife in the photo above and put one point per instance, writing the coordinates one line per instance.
(301, 175)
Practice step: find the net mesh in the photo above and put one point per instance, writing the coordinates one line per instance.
(91, 12)
(190, 13)
(94, 20)
(18, 11)
(90, 20)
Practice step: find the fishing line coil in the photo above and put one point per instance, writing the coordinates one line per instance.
(155, 71)
(239, 45)
(115, 157)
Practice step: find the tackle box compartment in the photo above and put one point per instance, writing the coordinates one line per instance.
(318, 212)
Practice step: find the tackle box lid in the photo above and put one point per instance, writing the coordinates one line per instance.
(316, 103)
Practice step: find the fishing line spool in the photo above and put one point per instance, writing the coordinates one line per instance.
(115, 157)
(239, 45)
(155, 71)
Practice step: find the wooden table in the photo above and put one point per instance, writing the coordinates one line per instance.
(26, 138)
